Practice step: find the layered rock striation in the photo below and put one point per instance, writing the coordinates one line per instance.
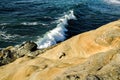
(93, 55)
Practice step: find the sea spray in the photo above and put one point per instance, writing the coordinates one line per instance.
(57, 34)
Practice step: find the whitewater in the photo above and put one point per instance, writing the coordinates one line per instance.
(49, 22)
(57, 34)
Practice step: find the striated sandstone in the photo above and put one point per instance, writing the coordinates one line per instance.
(93, 55)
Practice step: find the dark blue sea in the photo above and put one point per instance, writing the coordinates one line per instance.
(47, 22)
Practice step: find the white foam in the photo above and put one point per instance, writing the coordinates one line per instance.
(29, 23)
(57, 34)
(113, 1)
(5, 36)
(3, 24)
(33, 23)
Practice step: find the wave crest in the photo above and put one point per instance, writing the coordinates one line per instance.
(58, 33)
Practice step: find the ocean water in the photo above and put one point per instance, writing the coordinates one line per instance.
(48, 22)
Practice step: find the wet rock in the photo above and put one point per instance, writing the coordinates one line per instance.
(29, 45)
(9, 54)
(6, 56)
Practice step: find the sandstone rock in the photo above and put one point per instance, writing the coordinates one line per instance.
(93, 55)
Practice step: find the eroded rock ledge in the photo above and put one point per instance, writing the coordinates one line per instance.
(28, 49)
(93, 55)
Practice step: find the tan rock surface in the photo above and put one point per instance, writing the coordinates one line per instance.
(93, 55)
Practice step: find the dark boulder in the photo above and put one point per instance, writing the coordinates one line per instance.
(29, 45)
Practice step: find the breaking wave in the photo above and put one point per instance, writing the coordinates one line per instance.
(58, 33)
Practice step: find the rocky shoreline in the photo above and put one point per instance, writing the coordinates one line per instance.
(93, 55)
(28, 49)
